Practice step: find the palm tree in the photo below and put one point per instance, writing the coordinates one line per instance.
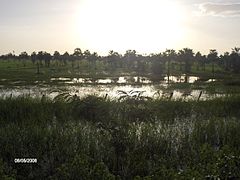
(113, 60)
(65, 57)
(57, 56)
(93, 59)
(186, 55)
(130, 57)
(33, 57)
(198, 59)
(226, 61)
(86, 54)
(158, 66)
(47, 58)
(169, 55)
(39, 58)
(213, 57)
(235, 59)
(77, 56)
(23, 57)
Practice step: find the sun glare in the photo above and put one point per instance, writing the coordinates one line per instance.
(144, 25)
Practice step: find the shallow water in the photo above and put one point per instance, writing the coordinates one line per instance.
(110, 91)
(126, 80)
(118, 80)
(109, 87)
(181, 79)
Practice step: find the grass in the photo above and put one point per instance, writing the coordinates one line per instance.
(97, 138)
(130, 138)
(15, 73)
(11, 69)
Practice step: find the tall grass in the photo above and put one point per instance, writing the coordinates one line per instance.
(97, 138)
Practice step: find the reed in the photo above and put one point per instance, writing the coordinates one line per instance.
(98, 138)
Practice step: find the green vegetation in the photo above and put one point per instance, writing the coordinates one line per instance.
(43, 66)
(132, 138)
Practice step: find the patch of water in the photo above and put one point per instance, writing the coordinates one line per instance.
(17, 82)
(104, 81)
(60, 79)
(106, 86)
(211, 80)
(121, 80)
(143, 80)
(127, 80)
(106, 90)
(181, 79)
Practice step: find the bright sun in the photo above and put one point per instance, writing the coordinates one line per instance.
(143, 25)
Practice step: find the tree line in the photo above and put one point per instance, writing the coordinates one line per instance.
(170, 59)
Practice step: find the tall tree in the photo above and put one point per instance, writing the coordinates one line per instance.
(113, 60)
(86, 54)
(213, 57)
(169, 55)
(198, 60)
(57, 57)
(40, 57)
(33, 57)
(78, 55)
(157, 64)
(186, 56)
(65, 57)
(23, 57)
(235, 60)
(226, 61)
(47, 58)
(130, 57)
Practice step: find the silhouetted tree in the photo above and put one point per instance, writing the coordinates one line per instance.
(198, 59)
(113, 59)
(141, 62)
(57, 57)
(92, 59)
(226, 61)
(40, 57)
(235, 60)
(23, 57)
(10, 56)
(130, 57)
(186, 55)
(78, 55)
(169, 55)
(47, 58)
(65, 57)
(157, 65)
(213, 57)
(86, 54)
(33, 57)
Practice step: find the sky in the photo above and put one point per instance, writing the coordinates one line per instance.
(147, 26)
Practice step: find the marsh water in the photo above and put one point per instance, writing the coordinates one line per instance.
(110, 87)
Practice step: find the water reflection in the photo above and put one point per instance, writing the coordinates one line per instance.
(104, 81)
(60, 79)
(118, 80)
(127, 80)
(121, 80)
(181, 79)
(153, 91)
(211, 80)
(155, 88)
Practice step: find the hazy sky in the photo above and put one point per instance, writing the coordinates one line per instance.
(103, 25)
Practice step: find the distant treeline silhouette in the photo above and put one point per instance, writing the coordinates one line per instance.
(182, 60)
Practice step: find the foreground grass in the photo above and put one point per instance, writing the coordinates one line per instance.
(95, 138)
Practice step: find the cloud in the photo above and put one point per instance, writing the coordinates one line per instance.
(219, 9)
